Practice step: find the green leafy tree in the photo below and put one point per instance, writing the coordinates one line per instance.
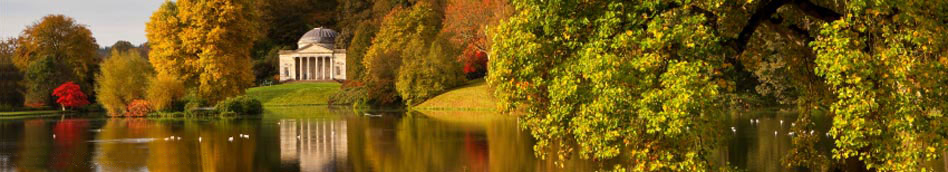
(642, 81)
(390, 49)
(40, 78)
(427, 72)
(124, 77)
(886, 62)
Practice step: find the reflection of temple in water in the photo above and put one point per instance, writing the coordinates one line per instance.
(317, 145)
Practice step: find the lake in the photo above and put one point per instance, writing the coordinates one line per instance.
(320, 138)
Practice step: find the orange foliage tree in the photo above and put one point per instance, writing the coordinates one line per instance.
(468, 21)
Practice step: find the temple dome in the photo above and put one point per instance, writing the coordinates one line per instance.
(321, 36)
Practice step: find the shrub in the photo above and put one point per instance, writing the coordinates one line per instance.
(240, 105)
(138, 107)
(163, 93)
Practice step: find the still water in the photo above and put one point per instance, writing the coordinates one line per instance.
(319, 138)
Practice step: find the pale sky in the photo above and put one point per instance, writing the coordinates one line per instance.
(109, 20)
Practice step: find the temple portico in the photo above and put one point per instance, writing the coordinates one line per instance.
(315, 59)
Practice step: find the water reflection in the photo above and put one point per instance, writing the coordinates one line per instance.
(320, 138)
(314, 144)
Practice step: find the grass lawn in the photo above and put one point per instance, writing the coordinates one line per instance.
(28, 114)
(475, 96)
(298, 93)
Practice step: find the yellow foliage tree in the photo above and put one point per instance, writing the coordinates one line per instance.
(206, 44)
(122, 78)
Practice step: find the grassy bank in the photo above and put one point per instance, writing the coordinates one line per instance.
(291, 94)
(474, 96)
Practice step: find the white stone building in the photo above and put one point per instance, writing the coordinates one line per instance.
(316, 59)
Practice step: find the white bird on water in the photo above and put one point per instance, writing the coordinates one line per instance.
(733, 129)
(199, 139)
(781, 122)
(54, 136)
(775, 133)
(230, 139)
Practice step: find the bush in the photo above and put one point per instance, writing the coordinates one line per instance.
(193, 102)
(163, 93)
(138, 107)
(240, 105)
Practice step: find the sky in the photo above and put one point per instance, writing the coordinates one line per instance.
(109, 20)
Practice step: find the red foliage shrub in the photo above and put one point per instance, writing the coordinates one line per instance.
(70, 96)
(34, 104)
(138, 107)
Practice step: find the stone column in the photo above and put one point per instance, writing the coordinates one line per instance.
(332, 68)
(312, 64)
(318, 70)
(296, 68)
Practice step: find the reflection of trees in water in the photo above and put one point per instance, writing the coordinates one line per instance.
(34, 146)
(71, 149)
(115, 155)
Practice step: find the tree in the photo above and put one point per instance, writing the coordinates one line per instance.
(124, 77)
(385, 57)
(10, 76)
(468, 21)
(65, 43)
(205, 44)
(427, 72)
(647, 80)
(40, 78)
(70, 96)
(121, 46)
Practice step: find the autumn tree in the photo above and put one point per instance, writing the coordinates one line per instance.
(647, 80)
(468, 21)
(70, 96)
(124, 77)
(69, 48)
(205, 44)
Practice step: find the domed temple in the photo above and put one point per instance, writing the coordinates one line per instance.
(316, 59)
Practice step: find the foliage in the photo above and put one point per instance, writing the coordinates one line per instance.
(61, 38)
(240, 105)
(401, 31)
(70, 96)
(886, 62)
(355, 54)
(642, 80)
(10, 76)
(122, 79)
(468, 21)
(138, 107)
(41, 77)
(427, 72)
(163, 92)
(121, 46)
(205, 44)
